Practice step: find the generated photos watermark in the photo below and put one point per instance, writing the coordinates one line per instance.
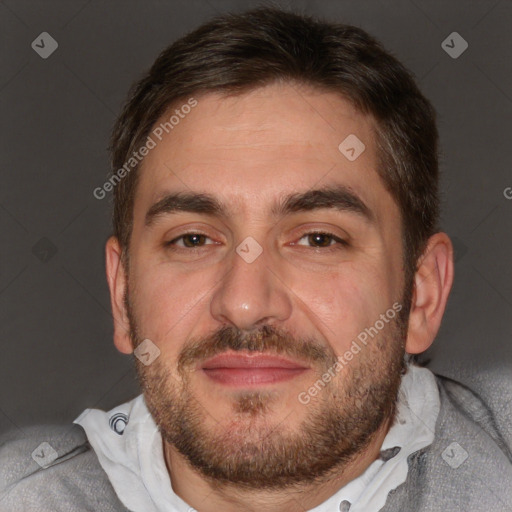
(137, 156)
(362, 338)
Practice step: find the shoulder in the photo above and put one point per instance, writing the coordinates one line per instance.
(485, 399)
(52, 467)
(469, 464)
(472, 453)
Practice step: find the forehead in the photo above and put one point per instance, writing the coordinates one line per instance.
(251, 147)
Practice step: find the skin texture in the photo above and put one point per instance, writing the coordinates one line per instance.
(304, 297)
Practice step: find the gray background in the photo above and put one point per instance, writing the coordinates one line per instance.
(57, 355)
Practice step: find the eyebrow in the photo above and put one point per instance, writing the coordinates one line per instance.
(335, 197)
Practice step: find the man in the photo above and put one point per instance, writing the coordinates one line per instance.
(276, 264)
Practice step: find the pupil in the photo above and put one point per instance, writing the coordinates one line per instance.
(193, 238)
(318, 238)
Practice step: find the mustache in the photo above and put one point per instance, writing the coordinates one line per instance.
(267, 339)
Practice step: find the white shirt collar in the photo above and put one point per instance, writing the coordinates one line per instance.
(135, 464)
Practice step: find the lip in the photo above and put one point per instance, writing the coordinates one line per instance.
(244, 370)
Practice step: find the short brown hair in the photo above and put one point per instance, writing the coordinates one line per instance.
(235, 53)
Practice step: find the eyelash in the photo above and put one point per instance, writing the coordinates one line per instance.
(341, 243)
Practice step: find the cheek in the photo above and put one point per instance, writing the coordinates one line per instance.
(168, 303)
(341, 304)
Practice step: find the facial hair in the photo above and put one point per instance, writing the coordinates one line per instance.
(256, 454)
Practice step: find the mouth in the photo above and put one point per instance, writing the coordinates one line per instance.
(251, 369)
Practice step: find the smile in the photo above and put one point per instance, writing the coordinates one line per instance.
(243, 370)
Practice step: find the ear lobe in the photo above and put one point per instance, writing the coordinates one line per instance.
(432, 284)
(116, 277)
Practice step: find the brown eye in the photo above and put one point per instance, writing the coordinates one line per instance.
(193, 240)
(321, 239)
(189, 240)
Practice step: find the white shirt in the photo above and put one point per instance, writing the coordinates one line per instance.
(129, 448)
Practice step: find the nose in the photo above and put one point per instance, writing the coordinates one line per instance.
(251, 294)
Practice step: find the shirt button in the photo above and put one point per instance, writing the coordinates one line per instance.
(345, 506)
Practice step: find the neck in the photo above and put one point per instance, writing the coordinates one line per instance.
(205, 495)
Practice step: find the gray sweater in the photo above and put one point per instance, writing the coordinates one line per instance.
(467, 468)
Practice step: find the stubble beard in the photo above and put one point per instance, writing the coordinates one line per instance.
(248, 450)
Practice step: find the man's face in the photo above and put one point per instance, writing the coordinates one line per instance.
(267, 275)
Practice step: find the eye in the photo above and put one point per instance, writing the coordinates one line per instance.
(320, 239)
(188, 241)
(315, 239)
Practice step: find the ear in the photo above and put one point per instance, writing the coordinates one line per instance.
(116, 277)
(432, 284)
